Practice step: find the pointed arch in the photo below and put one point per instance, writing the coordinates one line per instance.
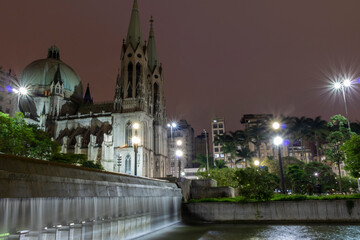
(128, 134)
(130, 80)
(128, 164)
(156, 98)
(138, 77)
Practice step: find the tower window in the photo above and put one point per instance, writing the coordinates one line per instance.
(130, 75)
(138, 75)
(129, 55)
(139, 55)
(128, 134)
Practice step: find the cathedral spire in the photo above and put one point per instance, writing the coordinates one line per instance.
(57, 76)
(134, 31)
(87, 97)
(152, 55)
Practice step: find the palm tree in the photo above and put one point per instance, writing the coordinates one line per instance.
(317, 132)
(244, 154)
(298, 128)
(257, 134)
(202, 161)
(229, 143)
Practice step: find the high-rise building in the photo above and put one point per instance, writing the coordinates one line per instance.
(217, 128)
(181, 137)
(201, 143)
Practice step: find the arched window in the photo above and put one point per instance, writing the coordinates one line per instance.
(138, 75)
(156, 98)
(128, 164)
(130, 77)
(128, 134)
(57, 89)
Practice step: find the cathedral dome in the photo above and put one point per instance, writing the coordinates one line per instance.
(39, 75)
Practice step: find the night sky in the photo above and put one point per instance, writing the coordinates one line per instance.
(220, 58)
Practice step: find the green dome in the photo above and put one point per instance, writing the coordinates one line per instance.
(39, 74)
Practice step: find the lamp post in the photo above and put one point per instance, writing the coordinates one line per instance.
(207, 152)
(342, 87)
(135, 141)
(278, 141)
(257, 163)
(179, 154)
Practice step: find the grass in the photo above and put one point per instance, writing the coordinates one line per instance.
(280, 197)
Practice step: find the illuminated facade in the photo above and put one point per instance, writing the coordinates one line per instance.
(104, 131)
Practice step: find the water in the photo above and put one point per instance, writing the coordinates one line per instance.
(89, 217)
(256, 232)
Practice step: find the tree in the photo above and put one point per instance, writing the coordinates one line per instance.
(298, 128)
(229, 144)
(76, 159)
(317, 132)
(19, 138)
(339, 133)
(244, 154)
(352, 160)
(295, 174)
(220, 164)
(202, 161)
(257, 134)
(256, 183)
(225, 177)
(318, 172)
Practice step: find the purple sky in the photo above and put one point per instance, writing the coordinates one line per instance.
(220, 58)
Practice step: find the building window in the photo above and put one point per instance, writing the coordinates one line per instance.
(138, 76)
(221, 150)
(221, 125)
(221, 131)
(7, 110)
(216, 149)
(216, 155)
(128, 164)
(57, 90)
(222, 155)
(215, 132)
(130, 77)
(1, 108)
(128, 134)
(214, 125)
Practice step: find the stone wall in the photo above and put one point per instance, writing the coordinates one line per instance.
(36, 194)
(296, 211)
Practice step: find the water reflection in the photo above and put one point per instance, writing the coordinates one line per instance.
(256, 232)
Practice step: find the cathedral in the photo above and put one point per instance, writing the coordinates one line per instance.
(105, 132)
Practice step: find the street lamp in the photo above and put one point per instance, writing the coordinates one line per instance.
(21, 91)
(276, 125)
(136, 141)
(179, 142)
(257, 162)
(278, 141)
(179, 154)
(342, 86)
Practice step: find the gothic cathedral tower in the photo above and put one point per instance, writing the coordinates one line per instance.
(139, 98)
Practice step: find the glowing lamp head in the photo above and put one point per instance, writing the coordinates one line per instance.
(136, 125)
(179, 142)
(178, 153)
(183, 174)
(316, 174)
(276, 125)
(135, 140)
(347, 82)
(278, 140)
(23, 91)
(257, 162)
(168, 125)
(337, 85)
(174, 124)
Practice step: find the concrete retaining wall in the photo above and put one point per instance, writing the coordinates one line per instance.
(303, 211)
(35, 194)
